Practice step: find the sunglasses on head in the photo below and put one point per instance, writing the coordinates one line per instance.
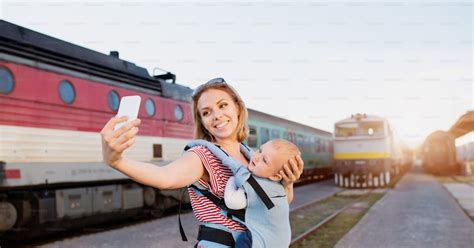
(218, 80)
(215, 81)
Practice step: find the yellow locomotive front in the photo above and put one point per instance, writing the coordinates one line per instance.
(365, 152)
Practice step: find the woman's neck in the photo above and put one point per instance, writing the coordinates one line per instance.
(232, 147)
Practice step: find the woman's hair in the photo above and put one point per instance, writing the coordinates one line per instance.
(200, 132)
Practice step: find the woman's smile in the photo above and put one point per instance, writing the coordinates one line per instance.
(222, 125)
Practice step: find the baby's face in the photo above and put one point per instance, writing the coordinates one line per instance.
(266, 162)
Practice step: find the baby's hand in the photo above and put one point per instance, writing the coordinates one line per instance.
(234, 197)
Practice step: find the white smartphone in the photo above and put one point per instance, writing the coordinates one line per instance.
(129, 106)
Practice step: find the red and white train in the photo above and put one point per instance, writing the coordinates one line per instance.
(54, 99)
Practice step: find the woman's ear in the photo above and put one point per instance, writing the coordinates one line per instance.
(277, 177)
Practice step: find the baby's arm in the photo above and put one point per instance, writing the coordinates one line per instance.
(234, 197)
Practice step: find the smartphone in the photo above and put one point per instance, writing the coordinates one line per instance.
(129, 106)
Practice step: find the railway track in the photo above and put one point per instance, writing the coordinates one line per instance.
(314, 229)
(330, 217)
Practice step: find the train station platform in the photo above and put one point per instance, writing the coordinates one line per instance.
(464, 194)
(418, 212)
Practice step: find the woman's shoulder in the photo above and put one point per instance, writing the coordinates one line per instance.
(205, 154)
(201, 149)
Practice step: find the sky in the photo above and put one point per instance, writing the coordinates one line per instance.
(313, 62)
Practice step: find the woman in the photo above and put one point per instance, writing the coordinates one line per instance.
(220, 117)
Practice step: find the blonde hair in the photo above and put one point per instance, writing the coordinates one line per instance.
(200, 132)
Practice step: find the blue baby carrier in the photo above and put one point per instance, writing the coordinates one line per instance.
(255, 213)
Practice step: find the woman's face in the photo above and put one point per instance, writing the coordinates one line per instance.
(219, 114)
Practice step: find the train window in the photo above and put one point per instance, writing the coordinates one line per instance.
(113, 100)
(346, 129)
(318, 145)
(299, 140)
(252, 130)
(66, 92)
(312, 141)
(323, 145)
(308, 144)
(275, 134)
(264, 135)
(150, 107)
(292, 137)
(6, 81)
(252, 139)
(178, 113)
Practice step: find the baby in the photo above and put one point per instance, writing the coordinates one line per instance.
(267, 162)
(266, 226)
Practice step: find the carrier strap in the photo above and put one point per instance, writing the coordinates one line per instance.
(260, 192)
(181, 229)
(239, 214)
(215, 235)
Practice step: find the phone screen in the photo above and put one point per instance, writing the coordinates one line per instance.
(129, 106)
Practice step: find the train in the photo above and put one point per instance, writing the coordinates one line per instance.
(56, 96)
(316, 146)
(438, 154)
(367, 153)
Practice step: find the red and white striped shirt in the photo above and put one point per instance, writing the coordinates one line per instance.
(204, 209)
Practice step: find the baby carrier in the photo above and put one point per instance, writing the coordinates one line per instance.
(257, 217)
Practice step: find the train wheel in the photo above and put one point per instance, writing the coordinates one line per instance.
(149, 196)
(346, 182)
(369, 180)
(8, 216)
(356, 179)
(381, 179)
(387, 177)
(376, 181)
(364, 183)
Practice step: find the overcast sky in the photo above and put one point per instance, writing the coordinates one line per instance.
(313, 62)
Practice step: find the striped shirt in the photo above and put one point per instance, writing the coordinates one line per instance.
(204, 209)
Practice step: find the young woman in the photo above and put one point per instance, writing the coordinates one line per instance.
(220, 117)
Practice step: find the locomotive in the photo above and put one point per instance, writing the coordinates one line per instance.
(438, 154)
(54, 99)
(366, 152)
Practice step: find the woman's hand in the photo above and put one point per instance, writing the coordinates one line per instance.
(114, 143)
(290, 174)
(291, 171)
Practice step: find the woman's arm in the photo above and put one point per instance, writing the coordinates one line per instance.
(291, 173)
(182, 172)
(177, 174)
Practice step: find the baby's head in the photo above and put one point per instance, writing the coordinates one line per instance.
(270, 158)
